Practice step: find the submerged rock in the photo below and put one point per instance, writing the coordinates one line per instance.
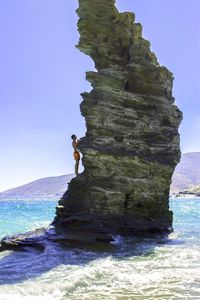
(131, 145)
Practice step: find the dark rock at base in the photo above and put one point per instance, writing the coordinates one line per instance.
(131, 145)
(102, 227)
(67, 237)
(42, 238)
(34, 239)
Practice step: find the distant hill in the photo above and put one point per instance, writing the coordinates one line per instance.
(50, 187)
(187, 173)
(186, 176)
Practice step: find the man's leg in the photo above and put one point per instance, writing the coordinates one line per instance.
(76, 167)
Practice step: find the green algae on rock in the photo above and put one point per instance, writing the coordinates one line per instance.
(131, 145)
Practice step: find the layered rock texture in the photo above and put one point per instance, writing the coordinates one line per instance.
(131, 145)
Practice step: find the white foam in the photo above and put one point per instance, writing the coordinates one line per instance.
(167, 272)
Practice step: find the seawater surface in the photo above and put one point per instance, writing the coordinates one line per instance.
(145, 268)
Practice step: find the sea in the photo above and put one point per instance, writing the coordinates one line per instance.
(149, 268)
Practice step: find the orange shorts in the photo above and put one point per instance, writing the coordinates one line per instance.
(76, 155)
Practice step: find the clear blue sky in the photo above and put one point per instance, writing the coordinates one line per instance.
(42, 75)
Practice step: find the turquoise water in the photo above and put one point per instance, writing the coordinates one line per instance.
(148, 268)
(19, 215)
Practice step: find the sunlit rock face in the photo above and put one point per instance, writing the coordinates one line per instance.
(131, 145)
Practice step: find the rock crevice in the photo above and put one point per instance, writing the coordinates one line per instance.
(131, 145)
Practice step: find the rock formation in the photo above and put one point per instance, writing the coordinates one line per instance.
(131, 145)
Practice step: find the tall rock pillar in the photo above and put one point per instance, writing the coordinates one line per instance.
(131, 145)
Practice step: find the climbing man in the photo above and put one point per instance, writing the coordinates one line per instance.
(76, 152)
